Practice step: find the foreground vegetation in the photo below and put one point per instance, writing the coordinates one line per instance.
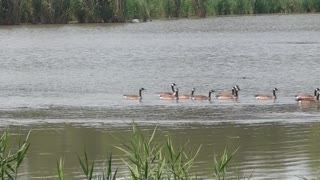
(144, 157)
(10, 161)
(92, 11)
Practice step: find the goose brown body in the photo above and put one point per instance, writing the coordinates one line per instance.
(202, 97)
(175, 96)
(308, 97)
(267, 97)
(134, 97)
(187, 96)
(232, 95)
(226, 95)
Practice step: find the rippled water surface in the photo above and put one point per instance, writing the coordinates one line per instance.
(66, 83)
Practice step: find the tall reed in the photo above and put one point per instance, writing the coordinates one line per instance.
(221, 165)
(144, 157)
(10, 160)
(60, 164)
(147, 159)
(89, 170)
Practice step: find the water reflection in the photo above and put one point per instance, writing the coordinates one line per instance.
(309, 104)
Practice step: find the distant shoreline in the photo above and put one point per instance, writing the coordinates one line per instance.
(166, 19)
(121, 11)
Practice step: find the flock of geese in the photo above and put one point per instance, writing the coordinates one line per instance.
(234, 94)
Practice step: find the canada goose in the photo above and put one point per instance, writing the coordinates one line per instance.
(202, 97)
(267, 97)
(232, 95)
(307, 96)
(168, 93)
(134, 97)
(308, 103)
(175, 96)
(187, 96)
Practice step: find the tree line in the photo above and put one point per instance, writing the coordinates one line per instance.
(98, 11)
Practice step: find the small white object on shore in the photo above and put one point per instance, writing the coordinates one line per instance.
(135, 21)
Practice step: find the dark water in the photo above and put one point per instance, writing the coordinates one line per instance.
(66, 83)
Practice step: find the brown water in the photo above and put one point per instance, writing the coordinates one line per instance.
(66, 83)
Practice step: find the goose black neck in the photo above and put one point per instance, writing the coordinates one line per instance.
(192, 92)
(236, 93)
(274, 94)
(315, 93)
(209, 94)
(140, 92)
(172, 87)
(232, 91)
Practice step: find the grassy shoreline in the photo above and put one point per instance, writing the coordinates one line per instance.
(113, 11)
(164, 19)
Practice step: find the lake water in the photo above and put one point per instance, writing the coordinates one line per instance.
(65, 82)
